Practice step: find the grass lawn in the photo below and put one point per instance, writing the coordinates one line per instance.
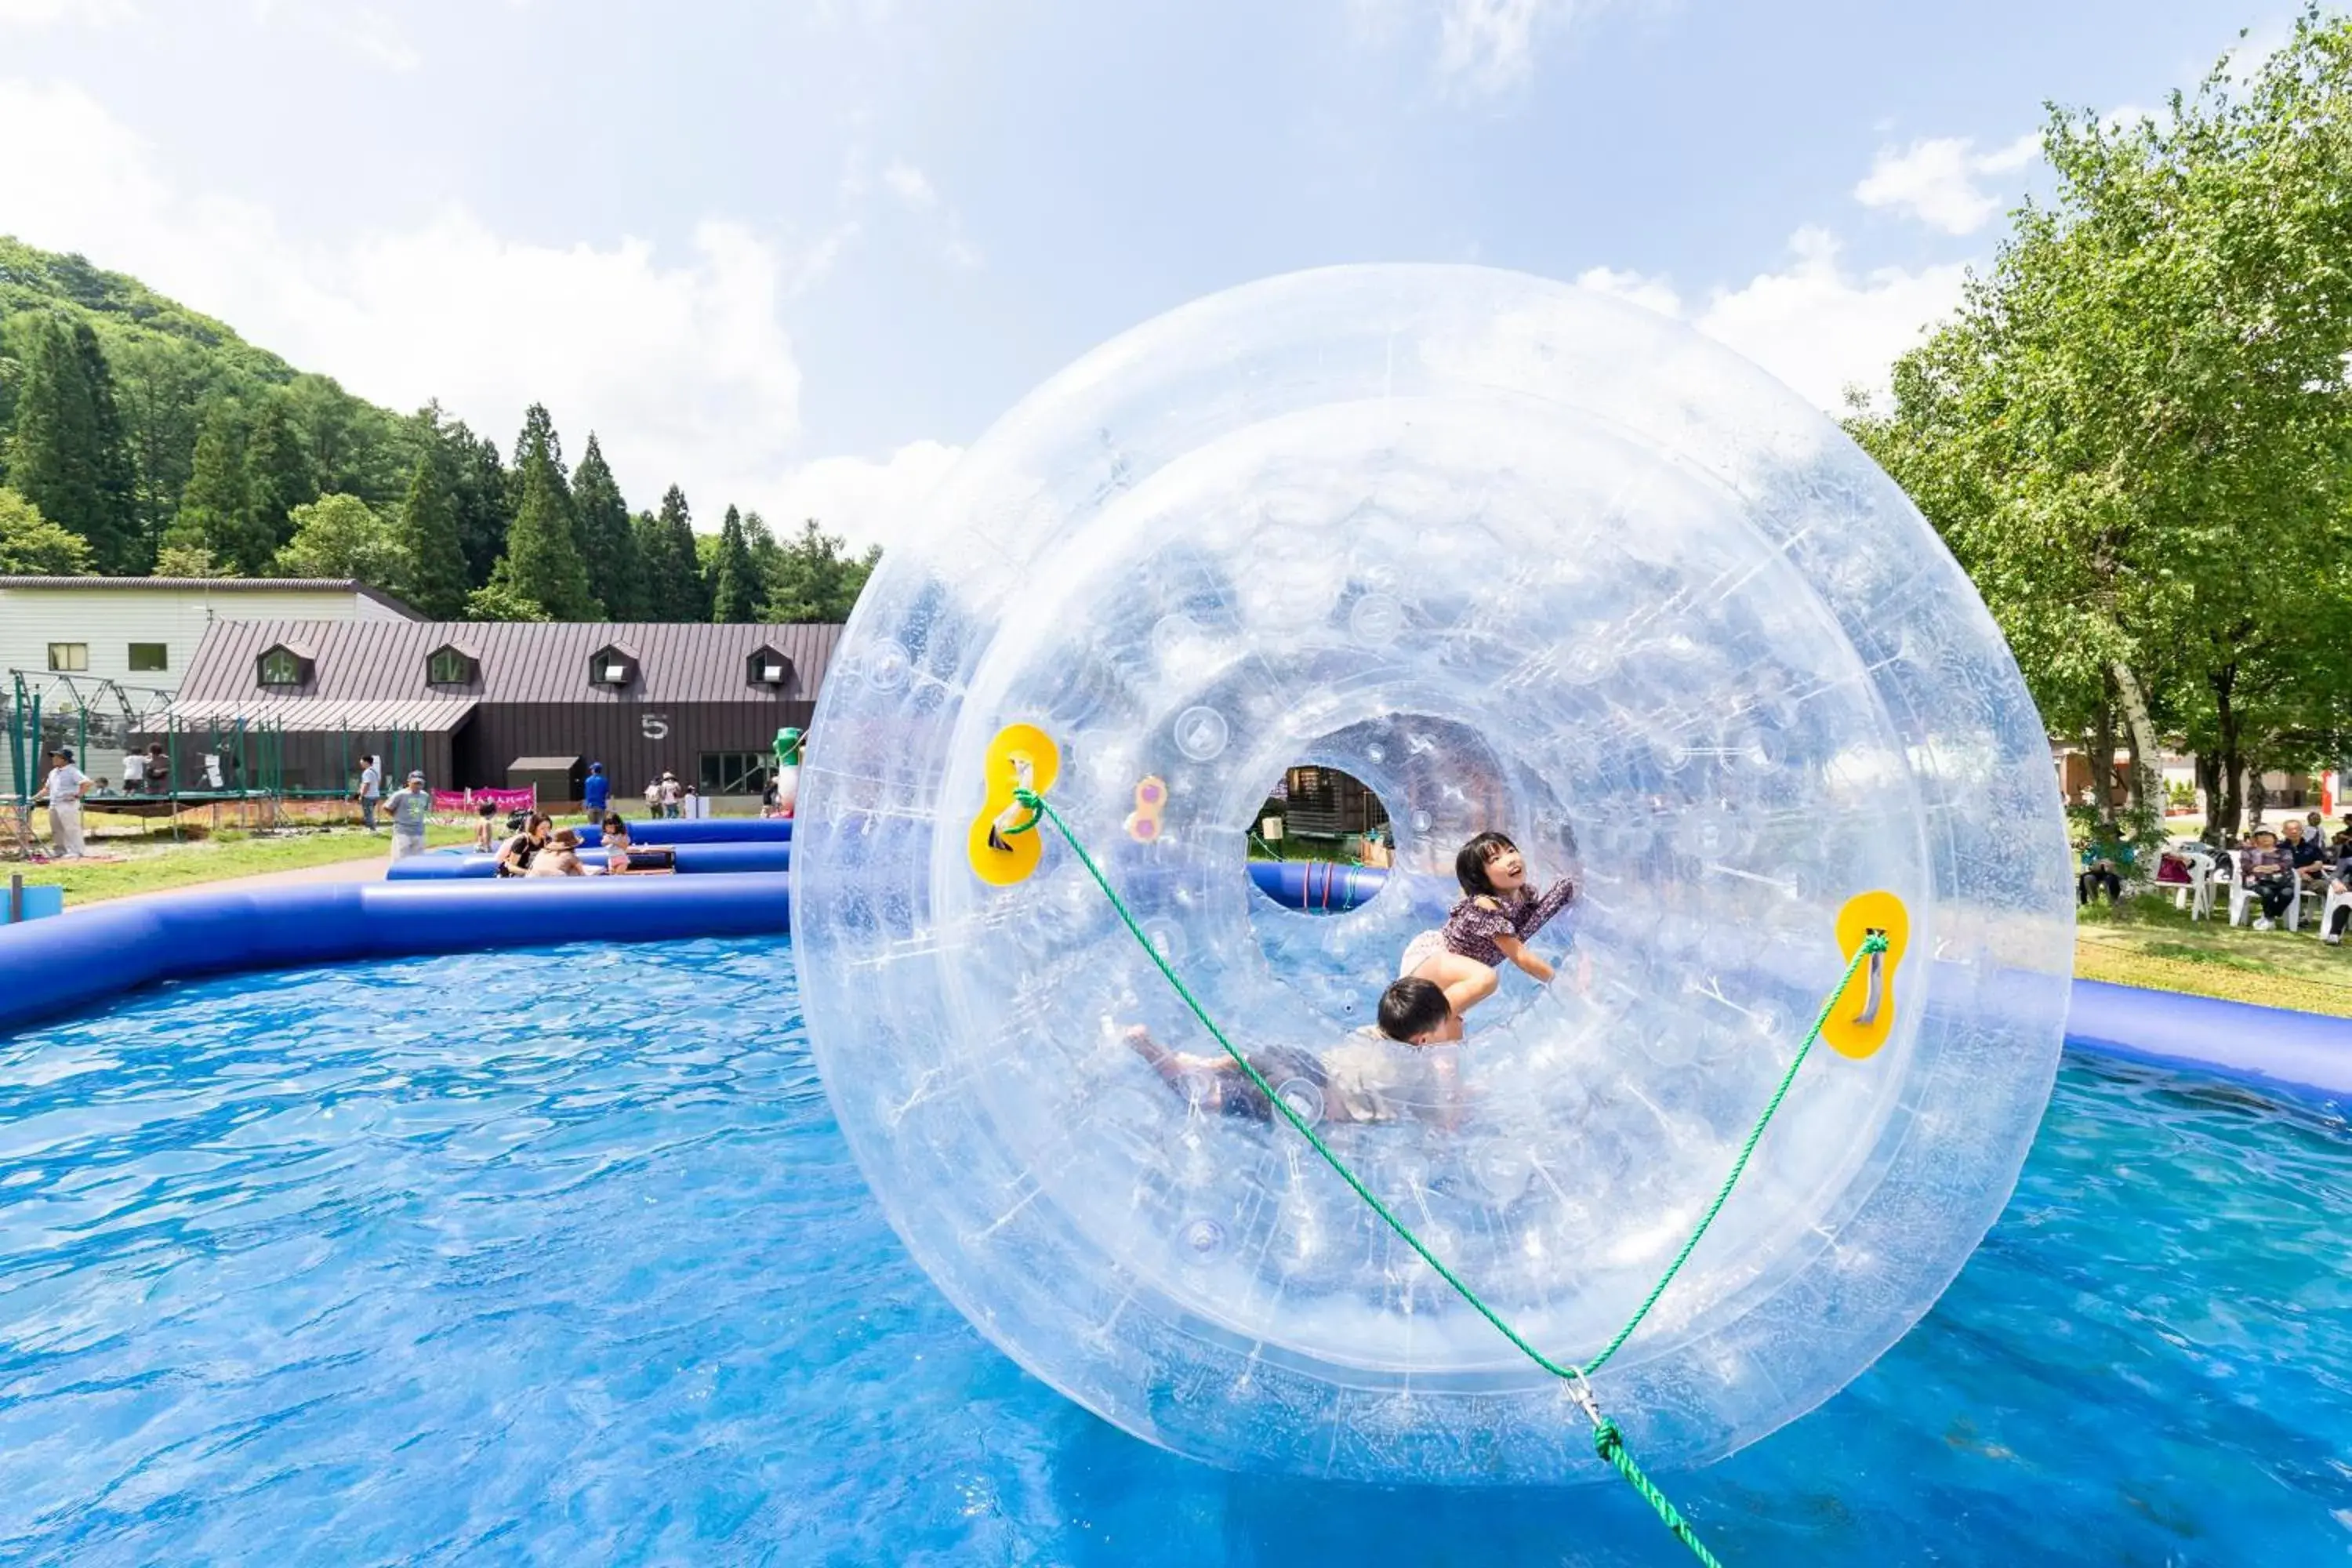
(2147, 942)
(144, 863)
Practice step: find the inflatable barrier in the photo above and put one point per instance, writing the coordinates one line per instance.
(1317, 884)
(2306, 1053)
(1520, 558)
(89, 955)
(697, 830)
(696, 858)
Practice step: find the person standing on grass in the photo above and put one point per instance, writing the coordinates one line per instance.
(596, 792)
(66, 786)
(371, 786)
(411, 807)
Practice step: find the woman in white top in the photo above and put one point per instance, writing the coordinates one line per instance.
(65, 788)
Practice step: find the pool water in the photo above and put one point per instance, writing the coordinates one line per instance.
(559, 1257)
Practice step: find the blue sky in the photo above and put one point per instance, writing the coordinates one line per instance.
(795, 255)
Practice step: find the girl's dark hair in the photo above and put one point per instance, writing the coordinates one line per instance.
(1470, 864)
(1413, 1006)
(490, 808)
(536, 819)
(612, 821)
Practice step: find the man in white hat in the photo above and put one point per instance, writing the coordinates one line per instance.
(409, 808)
(65, 788)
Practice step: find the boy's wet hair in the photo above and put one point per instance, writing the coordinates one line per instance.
(1414, 1006)
(1470, 863)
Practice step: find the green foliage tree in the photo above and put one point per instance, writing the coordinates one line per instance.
(215, 514)
(179, 558)
(31, 545)
(477, 480)
(342, 536)
(496, 601)
(66, 452)
(666, 557)
(542, 564)
(429, 537)
(815, 579)
(280, 472)
(735, 587)
(608, 544)
(163, 384)
(2136, 434)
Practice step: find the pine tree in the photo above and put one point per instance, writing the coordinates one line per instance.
(677, 570)
(216, 509)
(277, 472)
(543, 563)
(479, 486)
(429, 533)
(814, 579)
(67, 454)
(608, 542)
(735, 581)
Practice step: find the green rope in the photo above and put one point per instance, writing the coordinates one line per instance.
(1608, 1442)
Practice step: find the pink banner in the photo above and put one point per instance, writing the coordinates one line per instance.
(460, 803)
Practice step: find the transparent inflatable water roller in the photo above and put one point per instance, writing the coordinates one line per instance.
(1520, 558)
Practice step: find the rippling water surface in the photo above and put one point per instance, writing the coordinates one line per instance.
(557, 1257)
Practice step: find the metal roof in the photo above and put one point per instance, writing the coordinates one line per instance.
(514, 661)
(221, 584)
(308, 713)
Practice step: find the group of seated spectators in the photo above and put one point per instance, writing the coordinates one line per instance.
(2273, 862)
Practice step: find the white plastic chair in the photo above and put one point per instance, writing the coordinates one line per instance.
(2196, 894)
(2337, 897)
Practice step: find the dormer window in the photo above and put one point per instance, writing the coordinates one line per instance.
(614, 664)
(449, 665)
(283, 665)
(768, 668)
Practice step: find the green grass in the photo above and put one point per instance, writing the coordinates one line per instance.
(150, 861)
(2148, 944)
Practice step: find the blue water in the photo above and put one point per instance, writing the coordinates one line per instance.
(559, 1258)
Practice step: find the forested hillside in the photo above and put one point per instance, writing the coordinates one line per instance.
(137, 435)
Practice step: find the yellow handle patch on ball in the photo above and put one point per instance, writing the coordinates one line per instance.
(1863, 1017)
(1003, 843)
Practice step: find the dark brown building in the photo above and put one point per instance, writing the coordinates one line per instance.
(466, 701)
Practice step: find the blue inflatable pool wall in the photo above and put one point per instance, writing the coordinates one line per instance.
(695, 857)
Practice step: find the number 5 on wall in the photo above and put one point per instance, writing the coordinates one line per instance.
(653, 726)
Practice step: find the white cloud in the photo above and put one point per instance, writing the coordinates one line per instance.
(911, 186)
(1650, 293)
(914, 190)
(46, 13)
(1936, 181)
(1816, 326)
(1821, 329)
(681, 362)
(865, 501)
(1484, 47)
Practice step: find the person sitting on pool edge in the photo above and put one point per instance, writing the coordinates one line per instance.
(1353, 1080)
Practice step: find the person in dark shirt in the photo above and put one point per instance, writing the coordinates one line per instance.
(2302, 845)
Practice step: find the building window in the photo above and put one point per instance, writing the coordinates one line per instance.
(448, 667)
(150, 655)
(734, 773)
(280, 668)
(768, 668)
(69, 655)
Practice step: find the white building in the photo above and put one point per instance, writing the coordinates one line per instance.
(112, 644)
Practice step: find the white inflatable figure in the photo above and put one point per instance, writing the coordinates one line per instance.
(1518, 556)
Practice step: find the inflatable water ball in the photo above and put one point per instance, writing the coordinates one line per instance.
(1518, 557)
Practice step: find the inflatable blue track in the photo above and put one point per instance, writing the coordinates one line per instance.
(698, 830)
(2264, 1046)
(75, 960)
(693, 859)
(1317, 884)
